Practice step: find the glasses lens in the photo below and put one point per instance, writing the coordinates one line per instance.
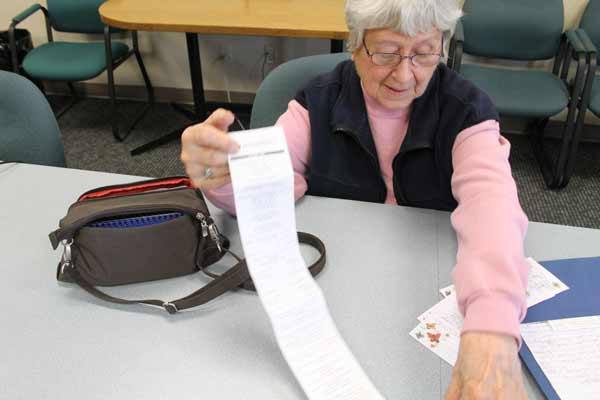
(385, 58)
(426, 60)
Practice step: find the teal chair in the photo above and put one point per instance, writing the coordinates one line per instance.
(589, 33)
(282, 84)
(74, 61)
(525, 31)
(28, 129)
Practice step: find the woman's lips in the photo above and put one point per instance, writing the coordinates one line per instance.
(396, 91)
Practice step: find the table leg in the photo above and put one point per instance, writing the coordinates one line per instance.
(201, 106)
(199, 112)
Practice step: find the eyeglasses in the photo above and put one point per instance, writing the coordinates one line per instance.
(393, 59)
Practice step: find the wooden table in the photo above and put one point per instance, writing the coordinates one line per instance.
(322, 19)
(290, 18)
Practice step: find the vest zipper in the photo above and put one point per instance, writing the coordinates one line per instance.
(372, 158)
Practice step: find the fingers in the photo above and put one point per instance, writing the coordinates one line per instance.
(213, 183)
(221, 119)
(208, 136)
(453, 391)
(207, 145)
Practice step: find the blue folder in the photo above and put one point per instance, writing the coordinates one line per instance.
(582, 276)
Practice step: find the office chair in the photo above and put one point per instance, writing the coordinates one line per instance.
(76, 61)
(281, 85)
(28, 129)
(589, 33)
(526, 31)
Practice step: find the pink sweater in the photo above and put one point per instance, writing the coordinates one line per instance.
(491, 272)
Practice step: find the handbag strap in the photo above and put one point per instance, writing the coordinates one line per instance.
(236, 276)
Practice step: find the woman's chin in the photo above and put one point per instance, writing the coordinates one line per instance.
(396, 102)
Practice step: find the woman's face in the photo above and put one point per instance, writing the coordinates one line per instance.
(398, 85)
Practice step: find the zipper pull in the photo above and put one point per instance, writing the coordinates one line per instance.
(214, 234)
(66, 259)
(203, 224)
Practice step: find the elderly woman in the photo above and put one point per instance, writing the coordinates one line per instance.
(394, 125)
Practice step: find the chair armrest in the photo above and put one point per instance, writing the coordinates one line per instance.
(25, 14)
(592, 62)
(573, 39)
(571, 48)
(455, 51)
(17, 20)
(459, 33)
(587, 43)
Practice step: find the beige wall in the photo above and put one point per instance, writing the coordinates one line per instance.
(166, 59)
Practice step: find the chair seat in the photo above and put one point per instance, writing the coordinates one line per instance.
(595, 99)
(535, 94)
(67, 61)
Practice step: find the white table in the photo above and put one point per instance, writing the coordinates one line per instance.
(385, 265)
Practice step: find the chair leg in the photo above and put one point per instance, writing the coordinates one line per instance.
(582, 108)
(546, 163)
(148, 84)
(72, 102)
(111, 85)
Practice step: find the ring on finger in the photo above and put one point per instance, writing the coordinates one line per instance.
(208, 173)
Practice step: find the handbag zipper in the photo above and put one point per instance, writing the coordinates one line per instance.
(68, 232)
(209, 228)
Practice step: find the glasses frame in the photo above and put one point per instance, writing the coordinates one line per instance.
(402, 58)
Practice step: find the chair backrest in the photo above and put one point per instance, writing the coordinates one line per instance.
(281, 85)
(591, 22)
(513, 29)
(78, 16)
(28, 128)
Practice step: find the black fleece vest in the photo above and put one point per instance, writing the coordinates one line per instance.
(344, 162)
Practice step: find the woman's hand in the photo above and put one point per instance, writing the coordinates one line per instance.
(488, 367)
(204, 150)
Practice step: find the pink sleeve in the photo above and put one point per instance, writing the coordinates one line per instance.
(491, 272)
(296, 125)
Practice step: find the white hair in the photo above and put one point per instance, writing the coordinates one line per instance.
(405, 16)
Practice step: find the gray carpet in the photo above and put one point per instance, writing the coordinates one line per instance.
(89, 144)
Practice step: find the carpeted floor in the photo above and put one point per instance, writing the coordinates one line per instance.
(89, 144)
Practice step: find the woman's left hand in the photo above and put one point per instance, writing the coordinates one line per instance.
(488, 367)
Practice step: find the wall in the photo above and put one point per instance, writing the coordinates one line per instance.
(166, 58)
(165, 54)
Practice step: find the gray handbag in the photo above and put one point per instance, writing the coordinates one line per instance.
(149, 230)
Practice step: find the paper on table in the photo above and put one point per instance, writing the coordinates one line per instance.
(439, 338)
(262, 179)
(542, 285)
(447, 291)
(568, 351)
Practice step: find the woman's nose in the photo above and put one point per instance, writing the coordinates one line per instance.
(403, 72)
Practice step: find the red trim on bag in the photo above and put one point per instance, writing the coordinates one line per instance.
(138, 188)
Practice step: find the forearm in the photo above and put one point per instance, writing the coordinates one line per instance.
(491, 271)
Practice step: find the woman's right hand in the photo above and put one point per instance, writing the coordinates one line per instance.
(204, 150)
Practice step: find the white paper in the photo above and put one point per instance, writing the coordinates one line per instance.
(447, 291)
(568, 351)
(262, 179)
(439, 338)
(542, 285)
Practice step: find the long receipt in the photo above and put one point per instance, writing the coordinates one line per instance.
(263, 187)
